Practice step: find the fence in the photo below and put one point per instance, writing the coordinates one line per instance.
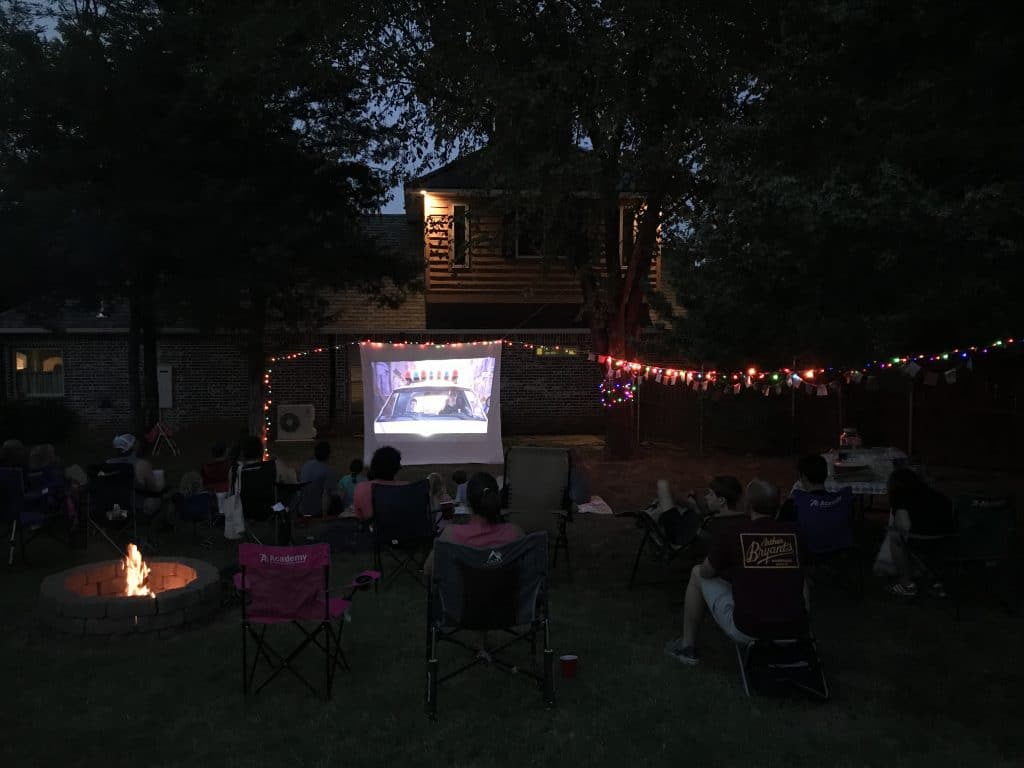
(976, 422)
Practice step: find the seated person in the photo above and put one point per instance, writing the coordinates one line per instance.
(752, 580)
(484, 527)
(124, 445)
(916, 510)
(347, 484)
(215, 473)
(438, 493)
(720, 499)
(318, 470)
(148, 480)
(451, 406)
(384, 466)
(812, 471)
(250, 451)
(459, 478)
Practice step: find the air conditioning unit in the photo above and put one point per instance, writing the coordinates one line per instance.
(295, 423)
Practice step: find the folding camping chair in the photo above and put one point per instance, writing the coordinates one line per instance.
(403, 526)
(198, 509)
(289, 585)
(111, 501)
(658, 542)
(257, 490)
(536, 489)
(493, 588)
(985, 536)
(27, 511)
(825, 520)
(773, 665)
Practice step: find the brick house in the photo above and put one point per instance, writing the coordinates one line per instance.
(486, 276)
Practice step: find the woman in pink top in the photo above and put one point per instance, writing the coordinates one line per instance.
(485, 527)
(384, 466)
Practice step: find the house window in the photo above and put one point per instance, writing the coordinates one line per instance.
(460, 237)
(627, 234)
(524, 235)
(38, 373)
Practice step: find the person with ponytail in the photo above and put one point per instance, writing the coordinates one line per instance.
(485, 528)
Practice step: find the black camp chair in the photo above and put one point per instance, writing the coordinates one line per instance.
(774, 665)
(536, 493)
(662, 545)
(403, 527)
(112, 502)
(257, 490)
(490, 589)
(984, 540)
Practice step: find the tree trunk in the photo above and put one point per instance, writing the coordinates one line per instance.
(256, 354)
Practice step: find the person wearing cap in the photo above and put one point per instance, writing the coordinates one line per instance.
(125, 447)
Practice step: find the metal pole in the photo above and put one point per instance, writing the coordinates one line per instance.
(700, 413)
(910, 421)
(792, 409)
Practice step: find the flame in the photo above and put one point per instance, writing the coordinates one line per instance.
(136, 574)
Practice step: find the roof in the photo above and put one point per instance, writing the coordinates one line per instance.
(41, 317)
(489, 169)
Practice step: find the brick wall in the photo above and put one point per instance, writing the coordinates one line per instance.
(539, 394)
(208, 380)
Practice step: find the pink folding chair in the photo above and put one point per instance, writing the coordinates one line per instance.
(289, 585)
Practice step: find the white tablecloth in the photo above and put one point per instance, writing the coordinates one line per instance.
(881, 460)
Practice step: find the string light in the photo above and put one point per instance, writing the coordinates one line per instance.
(615, 392)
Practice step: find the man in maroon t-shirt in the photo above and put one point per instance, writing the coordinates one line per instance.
(752, 580)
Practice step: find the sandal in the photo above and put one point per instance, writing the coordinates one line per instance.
(905, 591)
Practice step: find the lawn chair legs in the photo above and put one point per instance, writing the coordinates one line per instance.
(432, 675)
(562, 542)
(794, 663)
(549, 668)
(636, 560)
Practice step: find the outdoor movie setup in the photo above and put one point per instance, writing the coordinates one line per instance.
(437, 404)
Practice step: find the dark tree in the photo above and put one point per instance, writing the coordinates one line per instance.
(635, 84)
(867, 196)
(206, 161)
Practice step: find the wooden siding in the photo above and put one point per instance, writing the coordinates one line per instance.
(491, 274)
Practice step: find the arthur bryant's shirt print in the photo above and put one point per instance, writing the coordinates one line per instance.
(770, 550)
(762, 560)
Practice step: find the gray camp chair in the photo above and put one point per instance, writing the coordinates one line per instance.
(536, 493)
(501, 589)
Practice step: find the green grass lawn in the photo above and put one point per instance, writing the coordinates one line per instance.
(911, 685)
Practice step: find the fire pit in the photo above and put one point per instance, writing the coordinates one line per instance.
(119, 597)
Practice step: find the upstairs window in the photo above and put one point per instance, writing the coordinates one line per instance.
(524, 235)
(38, 373)
(460, 237)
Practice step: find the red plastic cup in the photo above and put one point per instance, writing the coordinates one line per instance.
(570, 665)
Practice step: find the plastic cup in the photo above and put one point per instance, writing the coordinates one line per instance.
(570, 665)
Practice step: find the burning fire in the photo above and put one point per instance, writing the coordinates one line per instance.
(136, 573)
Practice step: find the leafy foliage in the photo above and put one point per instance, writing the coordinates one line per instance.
(867, 194)
(208, 161)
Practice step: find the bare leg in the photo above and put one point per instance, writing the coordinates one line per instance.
(693, 609)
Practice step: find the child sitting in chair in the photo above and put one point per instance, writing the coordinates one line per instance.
(719, 500)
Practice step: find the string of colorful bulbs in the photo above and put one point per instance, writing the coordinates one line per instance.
(611, 393)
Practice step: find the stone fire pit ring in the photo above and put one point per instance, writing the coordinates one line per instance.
(88, 599)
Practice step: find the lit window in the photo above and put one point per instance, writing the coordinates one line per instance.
(39, 373)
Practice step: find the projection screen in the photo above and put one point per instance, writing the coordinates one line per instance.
(437, 405)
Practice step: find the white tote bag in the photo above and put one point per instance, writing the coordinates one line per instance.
(231, 508)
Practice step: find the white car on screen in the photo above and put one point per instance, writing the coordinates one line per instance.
(432, 408)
